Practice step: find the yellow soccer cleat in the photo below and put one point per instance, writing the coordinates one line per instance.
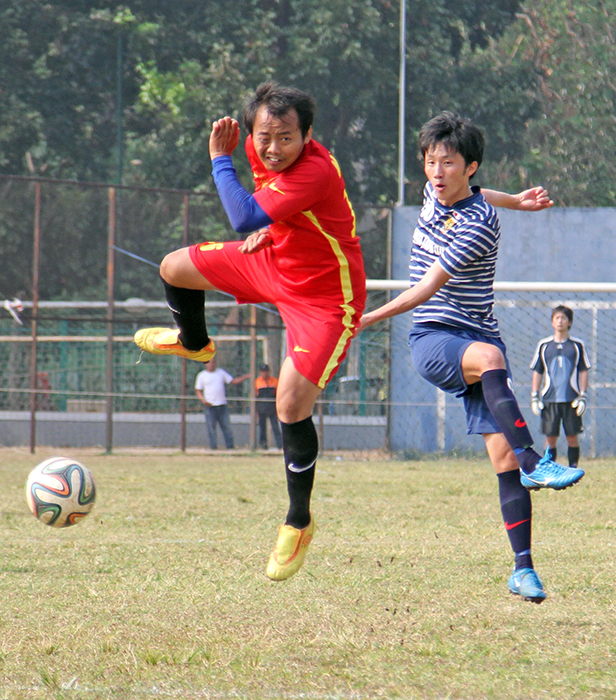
(165, 341)
(290, 551)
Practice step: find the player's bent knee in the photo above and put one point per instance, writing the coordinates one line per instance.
(178, 270)
(291, 413)
(170, 269)
(490, 357)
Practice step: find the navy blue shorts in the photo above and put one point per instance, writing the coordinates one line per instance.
(436, 351)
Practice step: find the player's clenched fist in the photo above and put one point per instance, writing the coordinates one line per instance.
(224, 137)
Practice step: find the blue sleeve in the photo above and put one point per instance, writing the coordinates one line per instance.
(241, 207)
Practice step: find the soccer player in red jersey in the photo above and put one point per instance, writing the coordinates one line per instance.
(302, 254)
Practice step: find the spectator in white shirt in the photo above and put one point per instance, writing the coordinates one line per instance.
(211, 389)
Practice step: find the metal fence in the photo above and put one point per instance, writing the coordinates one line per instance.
(423, 419)
(84, 277)
(82, 260)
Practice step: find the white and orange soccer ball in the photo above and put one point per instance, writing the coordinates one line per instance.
(60, 492)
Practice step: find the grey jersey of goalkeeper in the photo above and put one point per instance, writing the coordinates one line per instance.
(560, 367)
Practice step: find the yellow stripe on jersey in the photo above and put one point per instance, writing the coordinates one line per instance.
(347, 295)
(335, 163)
(346, 196)
(354, 231)
(345, 277)
(334, 360)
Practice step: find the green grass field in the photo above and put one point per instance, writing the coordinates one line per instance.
(161, 591)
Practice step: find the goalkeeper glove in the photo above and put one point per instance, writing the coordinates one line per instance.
(536, 404)
(579, 404)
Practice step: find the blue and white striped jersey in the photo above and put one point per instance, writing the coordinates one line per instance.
(464, 239)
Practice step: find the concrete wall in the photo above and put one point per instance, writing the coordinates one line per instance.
(558, 244)
(59, 429)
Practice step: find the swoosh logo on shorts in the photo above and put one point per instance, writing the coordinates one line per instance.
(520, 423)
(298, 349)
(510, 526)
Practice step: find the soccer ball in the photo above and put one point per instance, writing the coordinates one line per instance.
(60, 492)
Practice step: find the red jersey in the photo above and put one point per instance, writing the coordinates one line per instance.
(315, 245)
(314, 270)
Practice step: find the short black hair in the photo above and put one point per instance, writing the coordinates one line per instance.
(565, 310)
(456, 133)
(279, 101)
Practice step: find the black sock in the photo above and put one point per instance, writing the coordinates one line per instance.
(516, 507)
(188, 309)
(553, 452)
(301, 447)
(506, 412)
(573, 454)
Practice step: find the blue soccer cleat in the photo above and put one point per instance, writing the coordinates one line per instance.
(526, 583)
(550, 475)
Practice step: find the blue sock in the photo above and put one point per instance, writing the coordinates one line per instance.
(506, 412)
(516, 507)
(523, 560)
(527, 459)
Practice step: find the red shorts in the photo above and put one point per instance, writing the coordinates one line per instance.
(318, 334)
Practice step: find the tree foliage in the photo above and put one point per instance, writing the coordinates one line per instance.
(569, 145)
(183, 64)
(538, 77)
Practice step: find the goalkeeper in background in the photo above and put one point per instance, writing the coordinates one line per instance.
(561, 364)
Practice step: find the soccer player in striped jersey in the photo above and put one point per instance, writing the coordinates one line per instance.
(455, 343)
(302, 254)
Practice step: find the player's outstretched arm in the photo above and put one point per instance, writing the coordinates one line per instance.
(534, 199)
(419, 293)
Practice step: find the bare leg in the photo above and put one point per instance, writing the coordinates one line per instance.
(500, 453)
(479, 358)
(296, 395)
